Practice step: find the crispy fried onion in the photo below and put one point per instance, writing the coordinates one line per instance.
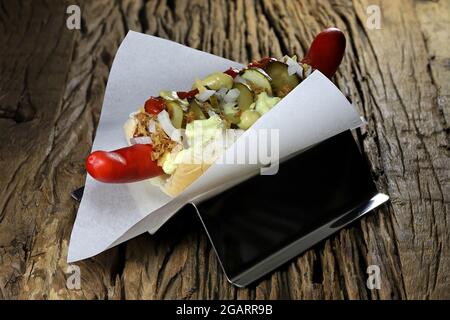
(142, 120)
(160, 141)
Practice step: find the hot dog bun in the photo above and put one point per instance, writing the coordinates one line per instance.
(128, 128)
(183, 177)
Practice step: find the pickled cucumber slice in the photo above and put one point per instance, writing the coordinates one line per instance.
(194, 112)
(248, 118)
(282, 83)
(246, 96)
(258, 80)
(195, 109)
(231, 112)
(175, 113)
(218, 80)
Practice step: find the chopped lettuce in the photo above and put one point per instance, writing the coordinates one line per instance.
(199, 134)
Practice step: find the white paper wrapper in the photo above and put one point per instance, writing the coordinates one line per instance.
(144, 65)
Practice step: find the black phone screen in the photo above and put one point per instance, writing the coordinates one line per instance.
(260, 216)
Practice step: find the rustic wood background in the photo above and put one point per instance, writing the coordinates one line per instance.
(52, 82)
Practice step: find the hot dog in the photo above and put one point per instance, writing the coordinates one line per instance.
(233, 99)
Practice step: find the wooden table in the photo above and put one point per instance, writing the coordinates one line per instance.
(52, 82)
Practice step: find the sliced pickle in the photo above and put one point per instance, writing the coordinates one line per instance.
(199, 86)
(176, 113)
(218, 80)
(213, 100)
(257, 80)
(196, 111)
(246, 96)
(282, 83)
(232, 113)
(248, 118)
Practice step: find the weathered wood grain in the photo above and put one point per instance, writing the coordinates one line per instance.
(52, 82)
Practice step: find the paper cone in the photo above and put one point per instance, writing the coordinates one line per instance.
(144, 65)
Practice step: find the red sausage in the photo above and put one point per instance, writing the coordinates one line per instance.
(326, 51)
(128, 164)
